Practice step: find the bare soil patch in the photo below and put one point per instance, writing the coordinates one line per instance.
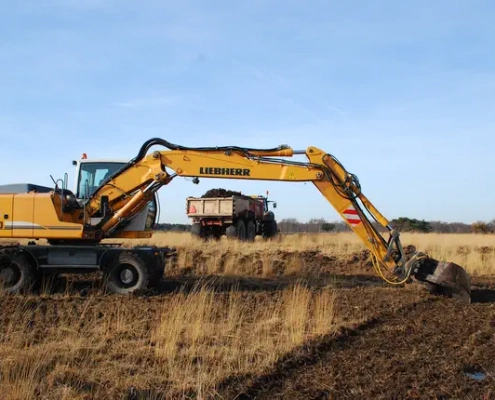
(425, 348)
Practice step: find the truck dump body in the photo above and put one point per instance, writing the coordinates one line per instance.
(223, 207)
(210, 207)
(234, 215)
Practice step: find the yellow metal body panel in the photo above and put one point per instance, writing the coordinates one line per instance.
(49, 220)
(133, 235)
(23, 216)
(32, 215)
(6, 204)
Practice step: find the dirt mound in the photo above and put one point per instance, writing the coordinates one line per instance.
(276, 263)
(221, 193)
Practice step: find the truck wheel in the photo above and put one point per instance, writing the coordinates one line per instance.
(241, 230)
(196, 229)
(126, 274)
(269, 229)
(17, 276)
(231, 232)
(215, 236)
(251, 231)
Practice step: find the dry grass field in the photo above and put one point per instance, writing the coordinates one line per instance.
(475, 252)
(302, 316)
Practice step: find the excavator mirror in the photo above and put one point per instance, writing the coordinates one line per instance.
(74, 162)
(274, 205)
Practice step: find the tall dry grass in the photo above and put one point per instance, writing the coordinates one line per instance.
(84, 348)
(201, 340)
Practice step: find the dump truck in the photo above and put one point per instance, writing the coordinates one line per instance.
(237, 216)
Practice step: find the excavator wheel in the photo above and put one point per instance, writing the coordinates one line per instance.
(17, 275)
(127, 273)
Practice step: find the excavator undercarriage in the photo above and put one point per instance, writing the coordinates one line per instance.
(76, 225)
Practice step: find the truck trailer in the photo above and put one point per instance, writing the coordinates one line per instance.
(236, 216)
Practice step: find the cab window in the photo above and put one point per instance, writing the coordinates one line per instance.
(91, 175)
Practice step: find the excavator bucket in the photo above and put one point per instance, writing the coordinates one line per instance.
(441, 277)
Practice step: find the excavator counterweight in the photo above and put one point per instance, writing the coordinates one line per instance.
(110, 207)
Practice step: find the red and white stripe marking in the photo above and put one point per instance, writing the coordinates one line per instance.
(351, 215)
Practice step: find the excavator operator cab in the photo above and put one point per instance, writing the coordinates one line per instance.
(89, 176)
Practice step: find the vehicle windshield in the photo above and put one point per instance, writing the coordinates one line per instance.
(91, 174)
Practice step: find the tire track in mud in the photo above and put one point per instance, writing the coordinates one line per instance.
(420, 350)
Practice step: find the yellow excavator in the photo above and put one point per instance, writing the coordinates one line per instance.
(118, 199)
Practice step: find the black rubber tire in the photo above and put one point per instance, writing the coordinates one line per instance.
(240, 228)
(250, 231)
(231, 232)
(156, 277)
(270, 229)
(215, 236)
(21, 271)
(196, 230)
(156, 271)
(275, 230)
(134, 265)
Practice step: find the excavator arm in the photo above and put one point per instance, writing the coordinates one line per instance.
(126, 192)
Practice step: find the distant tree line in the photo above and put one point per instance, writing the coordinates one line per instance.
(484, 227)
(402, 224)
(316, 225)
(173, 227)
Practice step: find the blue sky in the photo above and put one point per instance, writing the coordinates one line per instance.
(402, 93)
